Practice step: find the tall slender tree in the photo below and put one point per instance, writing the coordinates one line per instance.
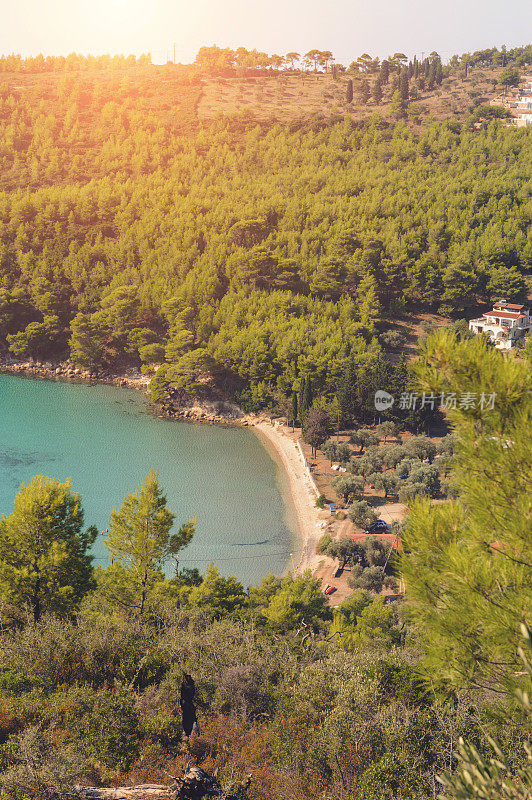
(349, 91)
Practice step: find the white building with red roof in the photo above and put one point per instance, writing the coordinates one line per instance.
(505, 324)
(519, 103)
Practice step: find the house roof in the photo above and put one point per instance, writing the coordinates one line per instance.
(504, 304)
(504, 314)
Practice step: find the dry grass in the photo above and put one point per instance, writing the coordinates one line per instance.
(286, 97)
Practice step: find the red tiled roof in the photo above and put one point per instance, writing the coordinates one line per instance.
(504, 314)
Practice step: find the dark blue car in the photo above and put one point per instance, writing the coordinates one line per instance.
(378, 527)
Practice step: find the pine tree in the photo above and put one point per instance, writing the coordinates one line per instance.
(318, 428)
(44, 561)
(385, 72)
(368, 305)
(377, 91)
(467, 563)
(217, 593)
(140, 544)
(498, 776)
(87, 342)
(398, 106)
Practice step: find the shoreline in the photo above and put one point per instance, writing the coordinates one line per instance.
(309, 522)
(68, 372)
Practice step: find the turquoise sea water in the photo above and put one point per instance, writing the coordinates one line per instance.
(106, 441)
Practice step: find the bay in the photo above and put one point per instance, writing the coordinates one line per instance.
(105, 440)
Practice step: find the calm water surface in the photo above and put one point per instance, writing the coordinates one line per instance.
(106, 441)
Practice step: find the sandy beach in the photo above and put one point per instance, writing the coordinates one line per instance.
(311, 521)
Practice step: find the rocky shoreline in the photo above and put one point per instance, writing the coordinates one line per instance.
(213, 412)
(67, 371)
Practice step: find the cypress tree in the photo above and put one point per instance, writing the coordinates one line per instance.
(377, 91)
(349, 91)
(432, 75)
(294, 409)
(385, 72)
(364, 92)
(301, 401)
(347, 394)
(308, 394)
(404, 84)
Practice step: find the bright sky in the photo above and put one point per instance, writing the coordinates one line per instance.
(347, 27)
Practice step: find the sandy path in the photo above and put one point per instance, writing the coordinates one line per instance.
(311, 521)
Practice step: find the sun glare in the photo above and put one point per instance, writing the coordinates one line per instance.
(114, 24)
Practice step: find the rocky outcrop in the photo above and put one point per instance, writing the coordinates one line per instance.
(65, 370)
(214, 412)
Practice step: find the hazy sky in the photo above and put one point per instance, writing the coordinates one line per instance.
(347, 27)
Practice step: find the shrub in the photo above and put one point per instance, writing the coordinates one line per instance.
(321, 500)
(401, 682)
(34, 767)
(392, 339)
(12, 682)
(389, 779)
(110, 730)
(163, 728)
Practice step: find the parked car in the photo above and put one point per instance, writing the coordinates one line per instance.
(330, 590)
(378, 527)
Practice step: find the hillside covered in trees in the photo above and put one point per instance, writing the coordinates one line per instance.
(250, 252)
(366, 701)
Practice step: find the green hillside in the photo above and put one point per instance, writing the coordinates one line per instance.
(246, 250)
